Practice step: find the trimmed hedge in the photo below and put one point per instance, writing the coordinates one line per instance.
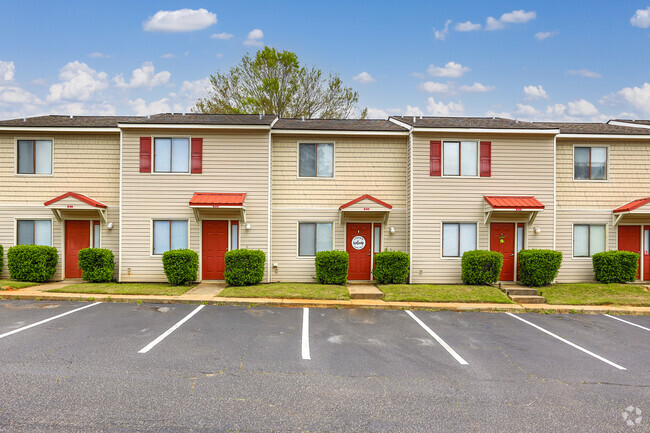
(36, 263)
(181, 266)
(615, 266)
(2, 260)
(538, 267)
(481, 267)
(244, 267)
(391, 267)
(332, 267)
(97, 264)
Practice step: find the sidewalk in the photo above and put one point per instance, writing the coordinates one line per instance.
(208, 294)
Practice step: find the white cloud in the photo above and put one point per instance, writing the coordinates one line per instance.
(7, 71)
(83, 108)
(99, 55)
(364, 78)
(467, 26)
(181, 20)
(434, 87)
(540, 36)
(417, 75)
(441, 35)
(514, 17)
(144, 76)
(222, 36)
(556, 112)
(413, 111)
(255, 38)
(635, 97)
(503, 114)
(441, 109)
(535, 92)
(168, 56)
(16, 95)
(141, 108)
(451, 69)
(78, 83)
(195, 89)
(641, 18)
(585, 73)
(477, 88)
(377, 113)
(40, 82)
(527, 111)
(582, 108)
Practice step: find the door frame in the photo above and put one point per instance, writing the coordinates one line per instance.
(229, 246)
(516, 256)
(372, 242)
(63, 236)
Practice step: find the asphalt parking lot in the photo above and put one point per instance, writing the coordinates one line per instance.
(125, 367)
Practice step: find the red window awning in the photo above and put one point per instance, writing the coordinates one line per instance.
(218, 199)
(634, 204)
(513, 202)
(365, 197)
(82, 198)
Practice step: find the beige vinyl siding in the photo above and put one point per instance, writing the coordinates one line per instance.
(363, 165)
(521, 165)
(82, 162)
(233, 161)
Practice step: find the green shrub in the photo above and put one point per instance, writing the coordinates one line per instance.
(391, 267)
(2, 260)
(97, 264)
(35, 263)
(481, 267)
(244, 267)
(615, 266)
(538, 267)
(332, 267)
(181, 266)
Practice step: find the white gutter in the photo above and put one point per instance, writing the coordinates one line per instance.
(402, 124)
(187, 126)
(631, 125)
(605, 136)
(336, 132)
(487, 131)
(56, 129)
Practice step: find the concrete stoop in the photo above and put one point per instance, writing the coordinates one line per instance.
(364, 291)
(523, 295)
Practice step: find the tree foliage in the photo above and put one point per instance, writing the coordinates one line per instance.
(274, 82)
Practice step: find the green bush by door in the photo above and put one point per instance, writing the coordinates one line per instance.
(35, 263)
(615, 266)
(96, 264)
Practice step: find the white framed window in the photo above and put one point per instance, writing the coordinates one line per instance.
(171, 155)
(34, 232)
(169, 235)
(458, 238)
(234, 235)
(34, 157)
(316, 160)
(589, 163)
(97, 234)
(460, 158)
(588, 239)
(314, 237)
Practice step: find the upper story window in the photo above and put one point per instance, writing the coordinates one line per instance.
(588, 239)
(34, 157)
(171, 155)
(314, 237)
(458, 238)
(590, 163)
(169, 235)
(316, 160)
(34, 232)
(460, 158)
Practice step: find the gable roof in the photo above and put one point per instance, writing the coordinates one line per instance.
(467, 122)
(338, 125)
(592, 128)
(513, 202)
(81, 197)
(203, 119)
(365, 197)
(60, 121)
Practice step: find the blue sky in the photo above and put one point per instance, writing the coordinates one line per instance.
(552, 60)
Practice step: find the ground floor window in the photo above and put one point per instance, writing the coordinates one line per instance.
(97, 230)
(314, 237)
(34, 232)
(458, 238)
(169, 235)
(588, 239)
(234, 235)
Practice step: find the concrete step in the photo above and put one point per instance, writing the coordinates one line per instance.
(528, 299)
(364, 291)
(520, 291)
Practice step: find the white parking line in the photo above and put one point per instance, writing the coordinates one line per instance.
(305, 334)
(451, 351)
(164, 335)
(629, 323)
(7, 334)
(568, 342)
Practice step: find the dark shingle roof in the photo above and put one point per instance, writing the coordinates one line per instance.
(634, 122)
(466, 122)
(338, 125)
(68, 121)
(204, 119)
(593, 128)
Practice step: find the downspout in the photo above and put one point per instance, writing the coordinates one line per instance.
(270, 210)
(119, 224)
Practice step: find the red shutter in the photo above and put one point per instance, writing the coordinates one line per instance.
(197, 155)
(486, 158)
(145, 154)
(435, 166)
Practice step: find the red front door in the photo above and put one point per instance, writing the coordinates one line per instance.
(358, 247)
(215, 245)
(629, 239)
(646, 253)
(502, 239)
(77, 237)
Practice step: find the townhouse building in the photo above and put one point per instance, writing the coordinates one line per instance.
(430, 186)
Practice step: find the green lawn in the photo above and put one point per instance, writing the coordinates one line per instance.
(289, 291)
(443, 293)
(596, 294)
(125, 289)
(16, 284)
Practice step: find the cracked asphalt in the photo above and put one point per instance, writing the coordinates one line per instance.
(240, 369)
